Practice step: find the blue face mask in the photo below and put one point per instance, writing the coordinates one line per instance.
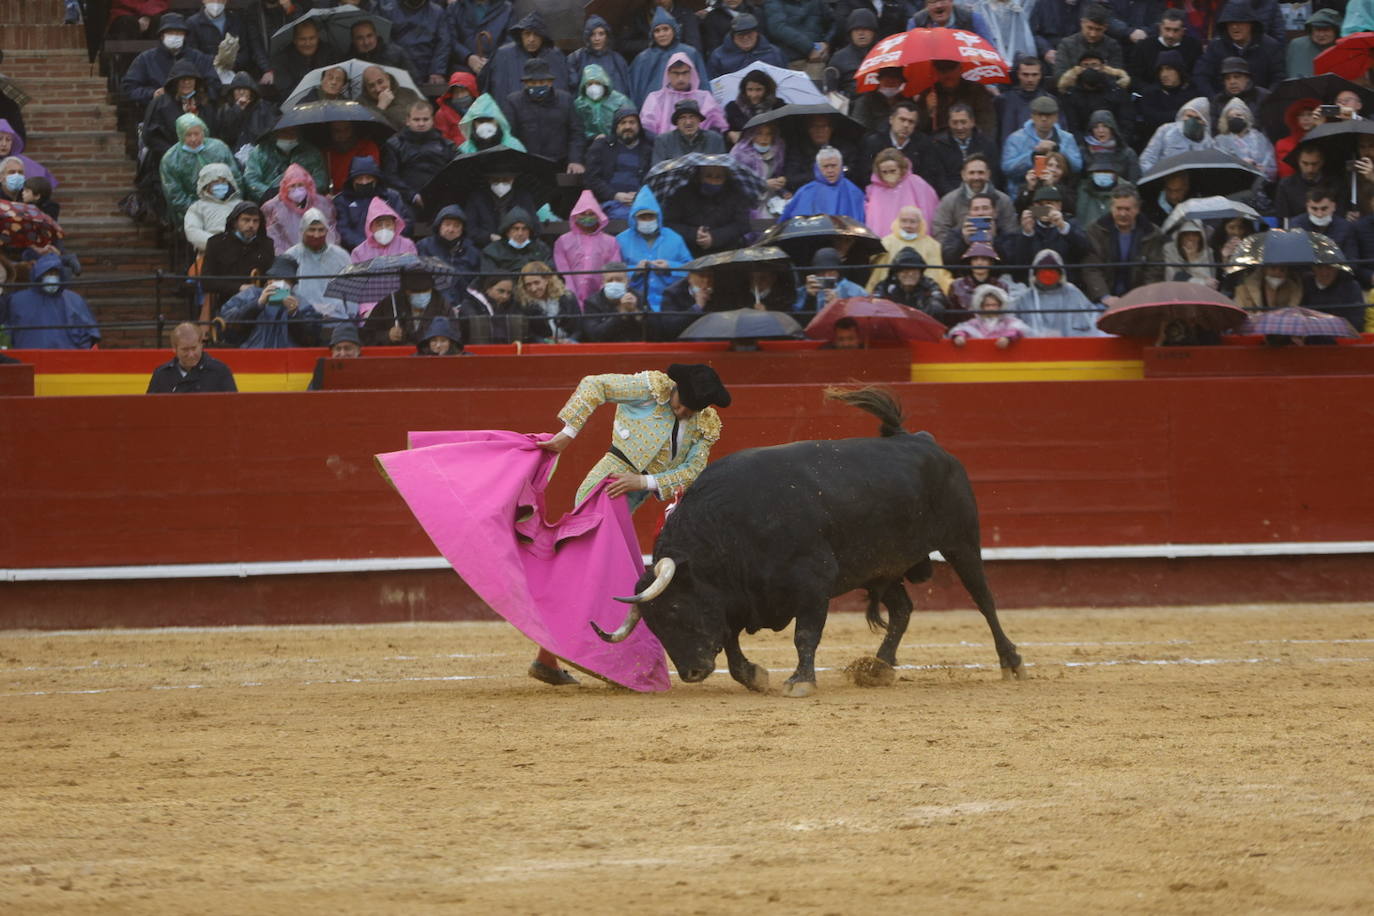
(419, 300)
(220, 189)
(192, 149)
(761, 148)
(1104, 179)
(14, 182)
(614, 290)
(51, 284)
(245, 238)
(518, 245)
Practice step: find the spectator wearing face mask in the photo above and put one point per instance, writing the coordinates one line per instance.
(516, 247)
(1095, 194)
(401, 317)
(909, 230)
(181, 165)
(147, 75)
(296, 194)
(183, 93)
(345, 145)
(1189, 131)
(652, 250)
(353, 203)
(48, 316)
(219, 194)
(268, 161)
(584, 247)
(1052, 306)
(273, 316)
(1237, 135)
(245, 115)
(450, 243)
(207, 29)
(319, 260)
(485, 126)
(384, 228)
(597, 102)
(12, 144)
(491, 202)
(453, 104)
(235, 254)
(680, 83)
(544, 118)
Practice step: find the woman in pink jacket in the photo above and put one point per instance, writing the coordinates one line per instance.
(585, 246)
(893, 186)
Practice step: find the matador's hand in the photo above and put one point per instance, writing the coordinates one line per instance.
(625, 483)
(557, 443)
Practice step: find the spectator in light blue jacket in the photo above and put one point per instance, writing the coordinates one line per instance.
(1040, 135)
(651, 249)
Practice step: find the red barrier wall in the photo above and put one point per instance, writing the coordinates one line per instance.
(261, 477)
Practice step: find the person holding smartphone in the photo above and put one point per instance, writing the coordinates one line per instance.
(1043, 227)
(824, 284)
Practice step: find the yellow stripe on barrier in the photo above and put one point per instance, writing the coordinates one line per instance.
(47, 384)
(1049, 371)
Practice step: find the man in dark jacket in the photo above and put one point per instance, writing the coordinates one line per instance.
(711, 214)
(1131, 244)
(183, 93)
(421, 28)
(205, 32)
(745, 45)
(1334, 291)
(1170, 35)
(617, 164)
(528, 38)
(191, 370)
(862, 31)
(1240, 33)
(1093, 86)
(1091, 34)
(948, 149)
(305, 53)
(720, 19)
(1171, 90)
(413, 156)
(147, 75)
(245, 115)
(544, 118)
(233, 255)
(371, 47)
(402, 317)
(687, 135)
(1013, 105)
(1040, 229)
(350, 205)
(1236, 83)
(891, 20)
(898, 133)
(1322, 216)
(450, 243)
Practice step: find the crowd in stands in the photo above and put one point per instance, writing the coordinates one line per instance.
(287, 142)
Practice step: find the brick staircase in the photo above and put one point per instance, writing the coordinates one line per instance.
(72, 131)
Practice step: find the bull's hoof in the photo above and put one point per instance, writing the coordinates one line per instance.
(1017, 673)
(798, 688)
(757, 679)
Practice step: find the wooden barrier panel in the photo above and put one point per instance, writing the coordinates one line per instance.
(16, 380)
(119, 480)
(1193, 362)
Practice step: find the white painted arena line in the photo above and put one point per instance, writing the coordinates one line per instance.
(969, 666)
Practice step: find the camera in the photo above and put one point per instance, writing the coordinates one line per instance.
(1041, 212)
(827, 282)
(1329, 111)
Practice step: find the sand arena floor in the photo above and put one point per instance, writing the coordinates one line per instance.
(1195, 760)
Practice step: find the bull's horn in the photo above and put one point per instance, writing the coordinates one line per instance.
(663, 574)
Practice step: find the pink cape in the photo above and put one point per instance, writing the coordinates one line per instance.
(479, 495)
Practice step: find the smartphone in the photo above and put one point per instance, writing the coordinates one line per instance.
(1329, 111)
(982, 228)
(828, 282)
(1041, 212)
(1039, 165)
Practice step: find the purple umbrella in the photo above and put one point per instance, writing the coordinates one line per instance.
(1296, 321)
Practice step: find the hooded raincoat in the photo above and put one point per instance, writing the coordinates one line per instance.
(448, 114)
(990, 327)
(598, 115)
(25, 311)
(267, 164)
(351, 206)
(1170, 141)
(611, 61)
(32, 168)
(485, 107)
(501, 76)
(316, 268)
(1250, 146)
(371, 248)
(284, 215)
(840, 197)
(766, 164)
(656, 113)
(180, 168)
(1118, 146)
(502, 257)
(462, 254)
(584, 249)
(665, 245)
(1038, 306)
(926, 246)
(1179, 267)
(882, 202)
(648, 71)
(206, 216)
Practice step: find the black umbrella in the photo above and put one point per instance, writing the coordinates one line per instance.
(802, 236)
(742, 324)
(1339, 141)
(1285, 247)
(1210, 171)
(313, 113)
(755, 257)
(336, 28)
(792, 120)
(1324, 87)
(471, 171)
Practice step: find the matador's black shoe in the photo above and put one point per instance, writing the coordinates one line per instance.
(557, 677)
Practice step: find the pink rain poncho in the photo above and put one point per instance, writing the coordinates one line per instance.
(882, 202)
(369, 248)
(284, 215)
(583, 249)
(657, 113)
(479, 495)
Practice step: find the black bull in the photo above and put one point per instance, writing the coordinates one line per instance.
(769, 535)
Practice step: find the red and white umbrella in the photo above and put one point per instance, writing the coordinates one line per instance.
(917, 51)
(1350, 57)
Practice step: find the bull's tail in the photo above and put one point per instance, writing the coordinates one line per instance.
(877, 623)
(876, 401)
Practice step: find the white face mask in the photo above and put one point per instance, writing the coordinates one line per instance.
(485, 131)
(1319, 220)
(214, 10)
(1274, 282)
(51, 284)
(890, 91)
(596, 92)
(646, 226)
(173, 42)
(501, 188)
(384, 236)
(908, 236)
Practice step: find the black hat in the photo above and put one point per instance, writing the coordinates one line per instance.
(744, 22)
(1235, 65)
(1047, 192)
(909, 259)
(826, 259)
(171, 22)
(862, 19)
(416, 281)
(686, 106)
(1170, 58)
(283, 268)
(698, 386)
(536, 68)
(345, 331)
